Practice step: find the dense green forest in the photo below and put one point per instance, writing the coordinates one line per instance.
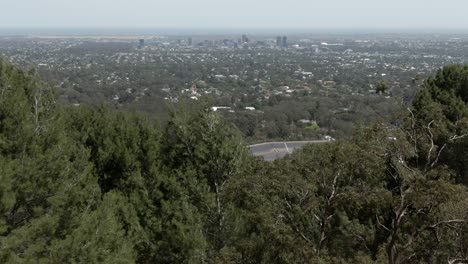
(97, 185)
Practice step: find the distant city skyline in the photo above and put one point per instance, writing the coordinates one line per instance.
(240, 14)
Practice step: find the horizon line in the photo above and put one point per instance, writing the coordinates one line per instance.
(113, 30)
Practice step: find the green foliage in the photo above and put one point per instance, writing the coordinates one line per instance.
(356, 201)
(442, 106)
(313, 126)
(96, 185)
(205, 154)
(382, 87)
(49, 185)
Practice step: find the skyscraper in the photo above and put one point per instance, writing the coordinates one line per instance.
(190, 41)
(278, 42)
(245, 39)
(141, 43)
(285, 42)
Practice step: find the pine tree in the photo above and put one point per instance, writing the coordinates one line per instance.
(204, 153)
(50, 189)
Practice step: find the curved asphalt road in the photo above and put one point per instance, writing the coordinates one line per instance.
(275, 150)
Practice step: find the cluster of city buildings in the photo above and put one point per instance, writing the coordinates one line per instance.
(244, 41)
(169, 66)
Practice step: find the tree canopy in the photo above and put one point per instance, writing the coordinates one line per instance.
(82, 184)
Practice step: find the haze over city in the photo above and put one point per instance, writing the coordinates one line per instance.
(245, 14)
(234, 131)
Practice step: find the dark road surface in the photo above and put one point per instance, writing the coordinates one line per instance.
(275, 150)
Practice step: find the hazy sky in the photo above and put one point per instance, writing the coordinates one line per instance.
(344, 14)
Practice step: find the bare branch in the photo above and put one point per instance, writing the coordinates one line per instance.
(457, 261)
(332, 195)
(456, 137)
(382, 225)
(363, 241)
(431, 135)
(453, 221)
(438, 156)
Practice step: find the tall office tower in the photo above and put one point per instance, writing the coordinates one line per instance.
(285, 42)
(278, 41)
(245, 39)
(190, 41)
(141, 43)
